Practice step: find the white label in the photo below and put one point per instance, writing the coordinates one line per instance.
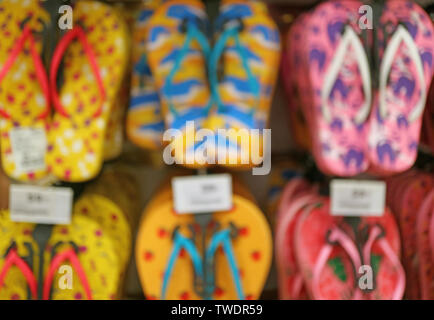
(357, 198)
(29, 146)
(202, 194)
(40, 204)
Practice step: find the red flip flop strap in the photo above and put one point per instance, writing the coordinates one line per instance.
(76, 33)
(14, 259)
(40, 71)
(68, 254)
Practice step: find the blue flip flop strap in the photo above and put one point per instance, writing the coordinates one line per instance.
(216, 53)
(193, 33)
(181, 242)
(223, 238)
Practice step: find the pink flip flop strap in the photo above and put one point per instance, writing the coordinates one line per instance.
(338, 236)
(13, 258)
(297, 287)
(375, 235)
(27, 35)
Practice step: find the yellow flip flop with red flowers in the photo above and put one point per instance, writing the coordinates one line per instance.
(24, 90)
(94, 67)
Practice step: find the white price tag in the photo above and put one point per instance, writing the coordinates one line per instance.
(357, 198)
(202, 194)
(29, 146)
(40, 204)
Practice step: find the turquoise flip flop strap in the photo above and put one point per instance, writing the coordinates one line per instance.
(223, 238)
(193, 33)
(181, 242)
(219, 47)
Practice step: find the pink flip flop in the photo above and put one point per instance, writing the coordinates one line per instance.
(326, 255)
(290, 279)
(340, 86)
(292, 189)
(405, 74)
(417, 187)
(381, 251)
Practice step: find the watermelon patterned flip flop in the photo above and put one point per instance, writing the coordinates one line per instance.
(327, 256)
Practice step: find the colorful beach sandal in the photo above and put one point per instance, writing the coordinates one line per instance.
(405, 72)
(93, 71)
(18, 260)
(408, 204)
(247, 53)
(291, 283)
(24, 90)
(382, 251)
(228, 257)
(339, 83)
(91, 256)
(327, 256)
(145, 124)
(177, 53)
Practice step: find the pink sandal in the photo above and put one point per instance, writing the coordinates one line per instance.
(340, 86)
(327, 257)
(405, 74)
(381, 251)
(291, 284)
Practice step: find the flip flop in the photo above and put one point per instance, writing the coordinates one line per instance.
(177, 50)
(327, 256)
(145, 124)
(381, 251)
(94, 67)
(88, 249)
(405, 74)
(340, 87)
(247, 51)
(292, 190)
(165, 246)
(24, 94)
(290, 279)
(411, 200)
(18, 260)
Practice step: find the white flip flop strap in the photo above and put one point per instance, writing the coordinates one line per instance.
(349, 38)
(401, 35)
